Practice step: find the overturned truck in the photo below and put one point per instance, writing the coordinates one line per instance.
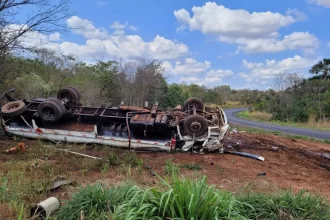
(191, 127)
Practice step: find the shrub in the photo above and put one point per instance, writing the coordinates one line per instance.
(190, 199)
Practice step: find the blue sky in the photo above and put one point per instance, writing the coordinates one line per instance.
(240, 43)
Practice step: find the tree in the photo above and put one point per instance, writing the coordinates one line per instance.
(44, 16)
(323, 67)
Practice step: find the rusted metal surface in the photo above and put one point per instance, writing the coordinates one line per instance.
(133, 108)
(178, 108)
(127, 126)
(72, 126)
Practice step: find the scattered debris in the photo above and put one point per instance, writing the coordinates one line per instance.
(234, 130)
(73, 152)
(244, 154)
(45, 208)
(274, 148)
(20, 148)
(58, 183)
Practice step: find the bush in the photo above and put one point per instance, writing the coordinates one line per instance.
(286, 205)
(190, 199)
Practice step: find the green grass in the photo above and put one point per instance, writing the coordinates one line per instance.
(192, 166)
(25, 177)
(189, 199)
(255, 117)
(171, 168)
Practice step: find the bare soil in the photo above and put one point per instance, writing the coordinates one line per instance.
(289, 164)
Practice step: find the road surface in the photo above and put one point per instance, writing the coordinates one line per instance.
(232, 118)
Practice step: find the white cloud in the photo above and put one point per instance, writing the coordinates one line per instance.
(325, 3)
(219, 73)
(31, 39)
(86, 28)
(297, 40)
(255, 32)
(192, 71)
(119, 28)
(221, 21)
(211, 79)
(125, 47)
(261, 72)
(101, 45)
(118, 32)
(300, 16)
(328, 44)
(118, 25)
(102, 3)
(189, 67)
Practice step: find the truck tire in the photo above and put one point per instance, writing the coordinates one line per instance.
(68, 95)
(79, 96)
(60, 103)
(13, 109)
(193, 102)
(195, 124)
(49, 111)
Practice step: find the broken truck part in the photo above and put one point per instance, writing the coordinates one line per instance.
(64, 118)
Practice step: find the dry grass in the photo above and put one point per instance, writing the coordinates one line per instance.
(313, 123)
(321, 124)
(228, 104)
(256, 115)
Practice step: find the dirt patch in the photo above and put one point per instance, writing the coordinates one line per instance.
(289, 163)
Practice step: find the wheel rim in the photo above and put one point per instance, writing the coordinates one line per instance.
(195, 126)
(12, 107)
(48, 114)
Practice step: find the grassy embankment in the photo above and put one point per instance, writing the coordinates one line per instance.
(181, 198)
(312, 123)
(26, 176)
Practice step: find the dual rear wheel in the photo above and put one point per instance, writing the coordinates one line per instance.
(53, 109)
(50, 111)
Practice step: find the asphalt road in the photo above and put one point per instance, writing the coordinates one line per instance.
(232, 118)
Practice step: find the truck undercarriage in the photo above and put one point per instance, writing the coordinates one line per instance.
(63, 119)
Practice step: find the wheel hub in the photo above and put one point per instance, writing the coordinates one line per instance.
(195, 127)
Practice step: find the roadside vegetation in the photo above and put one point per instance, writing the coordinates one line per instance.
(121, 187)
(182, 198)
(278, 133)
(296, 101)
(321, 124)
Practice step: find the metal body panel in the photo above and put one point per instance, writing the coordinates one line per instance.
(84, 137)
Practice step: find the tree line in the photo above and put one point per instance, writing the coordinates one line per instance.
(41, 73)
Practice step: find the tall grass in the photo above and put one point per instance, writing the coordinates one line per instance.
(313, 122)
(322, 123)
(189, 199)
(286, 205)
(256, 115)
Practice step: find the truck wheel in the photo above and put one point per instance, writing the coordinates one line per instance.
(79, 96)
(59, 102)
(190, 103)
(68, 95)
(195, 124)
(49, 111)
(13, 109)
